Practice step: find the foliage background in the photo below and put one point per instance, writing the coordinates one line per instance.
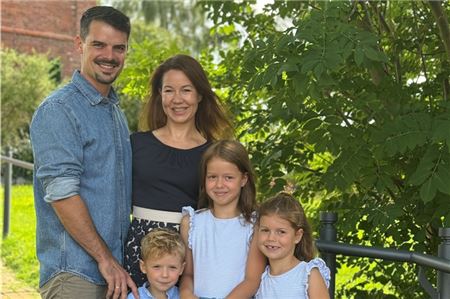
(35, 75)
(347, 104)
(343, 103)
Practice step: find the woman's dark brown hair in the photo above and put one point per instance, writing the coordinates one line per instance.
(210, 120)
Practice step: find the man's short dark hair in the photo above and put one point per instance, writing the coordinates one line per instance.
(107, 14)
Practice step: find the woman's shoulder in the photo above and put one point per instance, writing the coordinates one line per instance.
(140, 133)
(139, 137)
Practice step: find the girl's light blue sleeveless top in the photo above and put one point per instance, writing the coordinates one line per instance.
(294, 283)
(219, 249)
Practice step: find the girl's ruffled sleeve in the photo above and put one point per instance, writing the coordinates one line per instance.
(189, 211)
(323, 269)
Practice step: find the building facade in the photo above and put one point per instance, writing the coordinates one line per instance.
(47, 27)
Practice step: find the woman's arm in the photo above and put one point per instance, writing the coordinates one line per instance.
(187, 279)
(256, 263)
(317, 289)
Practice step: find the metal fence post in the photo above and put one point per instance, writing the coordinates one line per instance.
(328, 232)
(443, 279)
(7, 196)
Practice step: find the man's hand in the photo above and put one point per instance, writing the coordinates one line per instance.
(118, 279)
(74, 215)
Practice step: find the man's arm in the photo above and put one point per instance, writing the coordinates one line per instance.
(75, 217)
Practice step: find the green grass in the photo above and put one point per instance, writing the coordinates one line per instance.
(18, 250)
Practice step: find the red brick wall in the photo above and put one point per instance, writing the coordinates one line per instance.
(45, 26)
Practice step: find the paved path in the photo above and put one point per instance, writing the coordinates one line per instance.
(12, 288)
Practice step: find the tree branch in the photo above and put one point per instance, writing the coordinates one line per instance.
(442, 23)
(390, 31)
(444, 30)
(377, 72)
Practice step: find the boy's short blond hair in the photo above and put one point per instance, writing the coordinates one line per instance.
(161, 241)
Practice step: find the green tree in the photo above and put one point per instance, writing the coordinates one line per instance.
(347, 103)
(185, 19)
(25, 82)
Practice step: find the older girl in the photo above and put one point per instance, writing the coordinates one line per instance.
(222, 259)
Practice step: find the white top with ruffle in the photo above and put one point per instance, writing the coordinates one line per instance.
(293, 284)
(219, 250)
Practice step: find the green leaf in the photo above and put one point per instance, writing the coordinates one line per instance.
(284, 41)
(318, 70)
(312, 124)
(441, 130)
(309, 65)
(394, 211)
(373, 54)
(425, 166)
(428, 190)
(359, 56)
(314, 92)
(442, 179)
(332, 60)
(300, 84)
(287, 67)
(419, 176)
(227, 29)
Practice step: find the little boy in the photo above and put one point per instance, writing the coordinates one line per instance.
(162, 260)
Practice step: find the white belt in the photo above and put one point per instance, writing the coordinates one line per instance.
(157, 215)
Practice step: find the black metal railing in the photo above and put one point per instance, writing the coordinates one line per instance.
(328, 247)
(10, 161)
(327, 244)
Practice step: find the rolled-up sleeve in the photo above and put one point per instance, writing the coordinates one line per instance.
(57, 149)
(60, 188)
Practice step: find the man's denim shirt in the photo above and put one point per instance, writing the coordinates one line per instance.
(81, 146)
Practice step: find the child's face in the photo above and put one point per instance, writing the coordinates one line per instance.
(223, 182)
(162, 273)
(277, 238)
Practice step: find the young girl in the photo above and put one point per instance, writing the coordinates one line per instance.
(222, 258)
(284, 237)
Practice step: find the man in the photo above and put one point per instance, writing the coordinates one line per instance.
(82, 176)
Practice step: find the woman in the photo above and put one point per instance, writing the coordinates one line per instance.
(183, 116)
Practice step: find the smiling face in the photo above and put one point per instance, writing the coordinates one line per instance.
(179, 98)
(277, 238)
(223, 182)
(162, 273)
(103, 54)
